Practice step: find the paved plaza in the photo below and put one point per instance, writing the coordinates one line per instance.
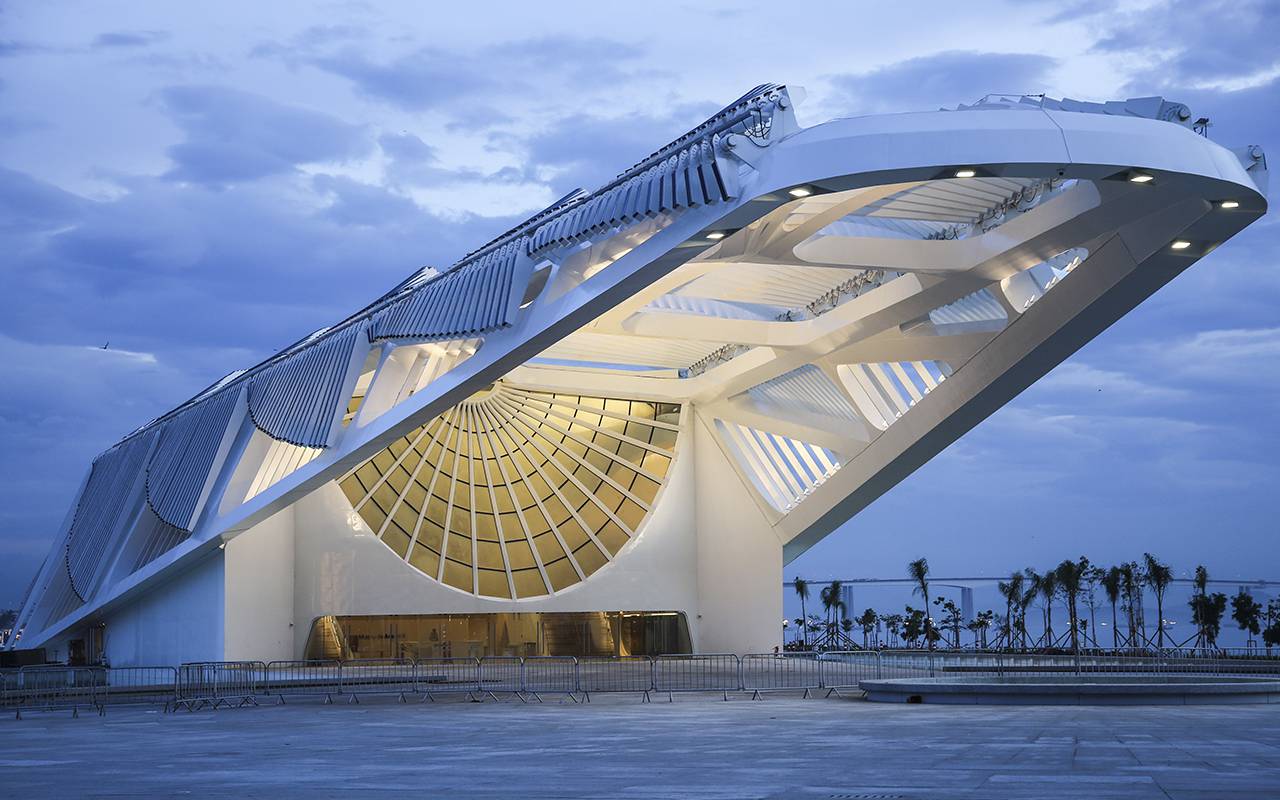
(616, 747)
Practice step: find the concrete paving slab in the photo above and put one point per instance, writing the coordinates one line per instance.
(783, 748)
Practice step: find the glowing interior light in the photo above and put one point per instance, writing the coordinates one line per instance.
(799, 191)
(1229, 204)
(1139, 178)
(965, 173)
(1181, 244)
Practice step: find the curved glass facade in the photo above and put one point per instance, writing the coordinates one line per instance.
(566, 633)
(515, 493)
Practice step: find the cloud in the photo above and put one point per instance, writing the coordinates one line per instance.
(425, 78)
(1074, 377)
(587, 151)
(1194, 42)
(1235, 355)
(434, 77)
(129, 39)
(941, 79)
(234, 136)
(29, 205)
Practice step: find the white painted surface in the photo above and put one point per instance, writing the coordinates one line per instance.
(739, 558)
(259, 591)
(177, 621)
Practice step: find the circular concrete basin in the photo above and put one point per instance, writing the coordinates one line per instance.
(1072, 690)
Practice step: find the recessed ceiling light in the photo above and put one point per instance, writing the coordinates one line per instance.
(800, 191)
(1140, 178)
(1181, 244)
(1229, 204)
(715, 235)
(965, 173)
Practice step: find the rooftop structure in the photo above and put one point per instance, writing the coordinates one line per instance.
(609, 428)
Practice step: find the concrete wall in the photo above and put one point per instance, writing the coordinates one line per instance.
(181, 620)
(739, 558)
(259, 591)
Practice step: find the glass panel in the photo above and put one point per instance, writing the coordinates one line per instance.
(494, 583)
(435, 475)
(458, 575)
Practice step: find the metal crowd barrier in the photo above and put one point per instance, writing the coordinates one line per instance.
(218, 683)
(442, 675)
(239, 683)
(615, 674)
(313, 678)
(140, 686)
(767, 672)
(549, 675)
(501, 674)
(53, 688)
(709, 672)
(395, 676)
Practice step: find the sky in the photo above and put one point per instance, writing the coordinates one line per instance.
(199, 185)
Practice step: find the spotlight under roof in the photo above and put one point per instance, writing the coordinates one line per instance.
(965, 173)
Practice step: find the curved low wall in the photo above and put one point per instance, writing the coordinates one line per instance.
(1094, 690)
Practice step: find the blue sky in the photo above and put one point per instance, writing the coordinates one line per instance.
(199, 186)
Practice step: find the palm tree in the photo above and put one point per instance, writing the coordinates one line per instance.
(1247, 613)
(1111, 581)
(1014, 598)
(802, 591)
(1004, 588)
(1048, 586)
(918, 571)
(1128, 588)
(1070, 575)
(1029, 595)
(892, 625)
(1089, 593)
(1158, 576)
(832, 605)
(868, 622)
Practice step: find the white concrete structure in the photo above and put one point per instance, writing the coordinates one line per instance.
(647, 398)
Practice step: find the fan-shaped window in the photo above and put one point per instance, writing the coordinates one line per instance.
(515, 493)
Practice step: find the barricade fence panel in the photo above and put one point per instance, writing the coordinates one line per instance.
(140, 686)
(711, 672)
(549, 674)
(842, 669)
(500, 674)
(615, 674)
(773, 671)
(302, 678)
(55, 687)
(378, 676)
(218, 682)
(447, 675)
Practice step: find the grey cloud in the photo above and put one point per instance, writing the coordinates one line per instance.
(129, 38)
(1194, 41)
(587, 151)
(28, 204)
(236, 136)
(942, 79)
(356, 203)
(442, 79)
(426, 78)
(407, 148)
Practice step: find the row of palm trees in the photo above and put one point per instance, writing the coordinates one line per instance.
(1072, 586)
